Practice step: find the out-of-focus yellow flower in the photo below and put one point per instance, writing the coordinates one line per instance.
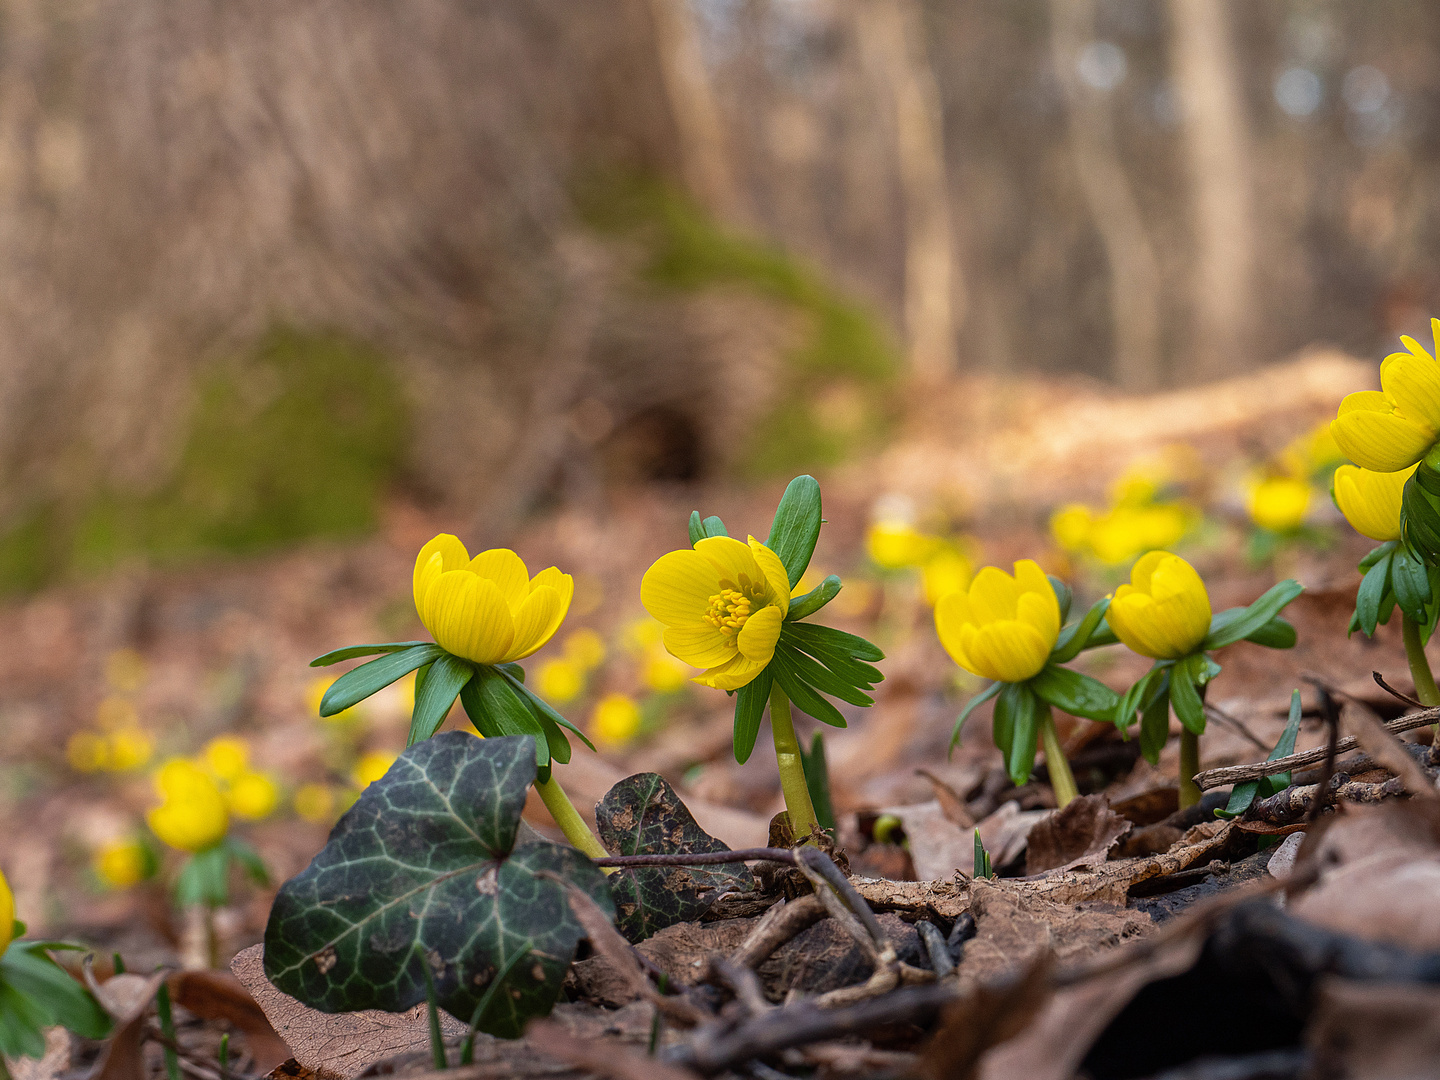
(1003, 627)
(616, 720)
(116, 712)
(946, 571)
(372, 767)
(1141, 482)
(87, 751)
(227, 756)
(129, 748)
(125, 670)
(252, 796)
(641, 635)
(7, 914)
(893, 545)
(1312, 454)
(585, 649)
(1070, 526)
(1164, 612)
(123, 863)
(192, 816)
(1278, 503)
(1370, 501)
(488, 609)
(559, 681)
(1124, 532)
(1390, 429)
(315, 803)
(722, 604)
(662, 673)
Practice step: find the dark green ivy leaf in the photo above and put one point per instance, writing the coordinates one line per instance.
(353, 651)
(355, 686)
(423, 869)
(796, 526)
(642, 815)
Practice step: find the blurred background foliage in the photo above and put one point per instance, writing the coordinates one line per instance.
(264, 264)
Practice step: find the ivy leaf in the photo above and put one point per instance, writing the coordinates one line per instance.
(796, 526)
(642, 815)
(424, 870)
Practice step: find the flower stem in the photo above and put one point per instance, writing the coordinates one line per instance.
(1425, 688)
(1189, 766)
(1062, 780)
(569, 819)
(791, 765)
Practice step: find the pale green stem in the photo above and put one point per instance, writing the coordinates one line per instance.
(1062, 780)
(569, 819)
(1189, 766)
(1425, 688)
(792, 766)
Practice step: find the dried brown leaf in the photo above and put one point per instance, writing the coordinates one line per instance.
(51, 1064)
(1375, 1030)
(1386, 749)
(1080, 834)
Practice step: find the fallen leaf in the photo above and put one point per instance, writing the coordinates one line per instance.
(1375, 1030)
(219, 995)
(950, 800)
(1004, 834)
(938, 846)
(56, 1059)
(127, 999)
(1080, 834)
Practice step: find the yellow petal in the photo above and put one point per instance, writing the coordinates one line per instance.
(1128, 617)
(1042, 613)
(452, 556)
(774, 571)
(507, 571)
(733, 561)
(536, 622)
(699, 644)
(1371, 501)
(470, 617)
(992, 596)
(1009, 650)
(1412, 382)
(733, 675)
(1376, 439)
(952, 614)
(678, 586)
(761, 631)
(1143, 569)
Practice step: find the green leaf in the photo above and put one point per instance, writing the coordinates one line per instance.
(796, 526)
(1102, 636)
(1411, 583)
(1137, 696)
(970, 706)
(1077, 694)
(1185, 699)
(1419, 518)
(433, 701)
(1244, 793)
(1231, 626)
(544, 712)
(824, 641)
(1024, 736)
(817, 782)
(815, 599)
(699, 530)
(363, 650)
(1278, 633)
(982, 858)
(355, 686)
(1376, 554)
(714, 526)
(52, 996)
(249, 860)
(204, 879)
(821, 677)
(424, 869)
(1155, 720)
(750, 702)
(1076, 636)
(1064, 595)
(642, 815)
(496, 710)
(801, 695)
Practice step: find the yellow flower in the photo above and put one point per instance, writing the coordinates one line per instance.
(315, 803)
(1370, 501)
(893, 545)
(1279, 503)
(722, 604)
(488, 609)
(122, 863)
(1164, 612)
(87, 752)
(641, 635)
(1312, 453)
(227, 756)
(129, 748)
(616, 720)
(559, 681)
(1390, 429)
(192, 816)
(1126, 531)
(7, 913)
(1003, 627)
(662, 673)
(372, 767)
(585, 649)
(1070, 526)
(947, 571)
(252, 796)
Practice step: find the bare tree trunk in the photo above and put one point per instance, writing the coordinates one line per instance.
(704, 149)
(1134, 288)
(1217, 154)
(892, 33)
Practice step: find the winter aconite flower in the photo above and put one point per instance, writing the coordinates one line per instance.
(722, 603)
(192, 816)
(1392, 428)
(1003, 627)
(616, 720)
(488, 609)
(372, 767)
(7, 914)
(1164, 612)
(252, 796)
(123, 863)
(1370, 500)
(1279, 503)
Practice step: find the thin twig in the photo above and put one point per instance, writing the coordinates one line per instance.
(703, 858)
(777, 926)
(1380, 681)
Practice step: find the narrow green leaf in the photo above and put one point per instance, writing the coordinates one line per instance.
(353, 651)
(1134, 698)
(1420, 518)
(817, 781)
(496, 710)
(1155, 720)
(53, 995)
(1245, 793)
(822, 678)
(1077, 694)
(1020, 762)
(714, 526)
(982, 858)
(1278, 633)
(355, 686)
(802, 696)
(796, 526)
(1185, 699)
(1376, 554)
(697, 528)
(970, 706)
(750, 702)
(1411, 582)
(1102, 636)
(543, 711)
(1076, 636)
(1064, 595)
(1233, 628)
(806, 635)
(804, 606)
(432, 704)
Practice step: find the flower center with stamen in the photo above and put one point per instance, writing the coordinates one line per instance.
(728, 610)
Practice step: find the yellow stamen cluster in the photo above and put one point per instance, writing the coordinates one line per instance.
(729, 608)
